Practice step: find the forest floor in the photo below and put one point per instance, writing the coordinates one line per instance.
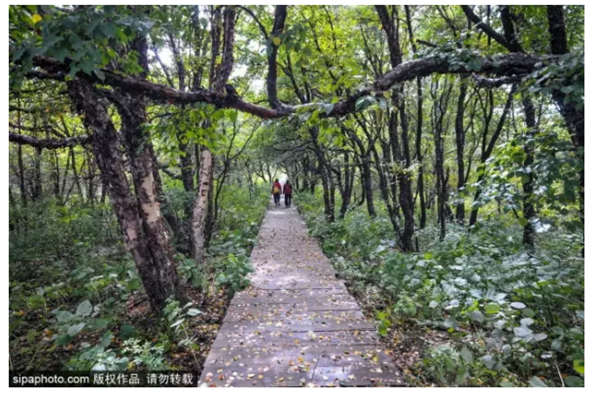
(296, 325)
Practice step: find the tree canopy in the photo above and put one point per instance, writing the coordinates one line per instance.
(433, 119)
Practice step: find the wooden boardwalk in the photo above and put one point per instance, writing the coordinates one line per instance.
(296, 325)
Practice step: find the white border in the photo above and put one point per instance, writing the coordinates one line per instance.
(592, 37)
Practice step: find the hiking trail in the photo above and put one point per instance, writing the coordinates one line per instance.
(296, 325)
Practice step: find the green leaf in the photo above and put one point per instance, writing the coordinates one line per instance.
(193, 311)
(106, 339)
(477, 316)
(127, 331)
(492, 308)
(100, 74)
(450, 322)
(466, 355)
(527, 321)
(177, 323)
(63, 316)
(574, 381)
(109, 29)
(523, 222)
(537, 382)
(100, 323)
(506, 383)
(522, 331)
(36, 301)
(75, 329)
(578, 366)
(528, 312)
(567, 89)
(63, 339)
(85, 308)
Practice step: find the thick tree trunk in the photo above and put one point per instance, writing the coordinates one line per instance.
(147, 187)
(140, 219)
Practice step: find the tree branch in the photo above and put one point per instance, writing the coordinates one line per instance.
(48, 143)
(487, 29)
(501, 65)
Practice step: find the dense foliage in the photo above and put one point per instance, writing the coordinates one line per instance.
(76, 299)
(510, 315)
(443, 144)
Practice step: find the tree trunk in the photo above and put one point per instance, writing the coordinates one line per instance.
(528, 185)
(419, 131)
(76, 174)
(202, 204)
(460, 147)
(222, 23)
(22, 187)
(401, 156)
(574, 117)
(140, 219)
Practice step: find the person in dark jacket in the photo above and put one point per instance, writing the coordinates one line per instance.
(287, 192)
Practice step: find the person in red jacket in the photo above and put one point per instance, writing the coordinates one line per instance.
(276, 191)
(287, 192)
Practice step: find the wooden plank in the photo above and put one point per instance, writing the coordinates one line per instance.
(296, 325)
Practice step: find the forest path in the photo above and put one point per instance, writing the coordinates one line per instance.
(296, 325)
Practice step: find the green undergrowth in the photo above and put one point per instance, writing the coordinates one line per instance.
(509, 318)
(77, 302)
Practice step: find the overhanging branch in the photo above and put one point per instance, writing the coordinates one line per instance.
(48, 143)
(501, 65)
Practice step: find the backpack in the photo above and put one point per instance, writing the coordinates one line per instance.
(275, 189)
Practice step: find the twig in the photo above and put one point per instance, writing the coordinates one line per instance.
(559, 375)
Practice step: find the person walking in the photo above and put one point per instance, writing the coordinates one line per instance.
(287, 192)
(276, 191)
